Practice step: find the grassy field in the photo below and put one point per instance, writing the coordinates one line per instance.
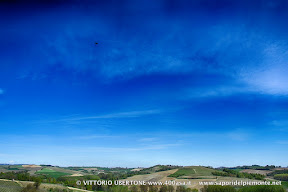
(285, 184)
(193, 172)
(9, 186)
(51, 173)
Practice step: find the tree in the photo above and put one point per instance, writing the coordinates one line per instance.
(143, 188)
(29, 188)
(153, 188)
(134, 188)
(170, 188)
(37, 182)
(180, 189)
(163, 188)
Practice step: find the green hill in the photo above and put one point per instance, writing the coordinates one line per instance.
(51, 173)
(193, 172)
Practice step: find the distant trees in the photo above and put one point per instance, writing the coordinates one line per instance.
(37, 183)
(134, 188)
(22, 176)
(170, 188)
(218, 188)
(257, 167)
(117, 188)
(143, 188)
(262, 188)
(162, 188)
(284, 171)
(281, 177)
(153, 188)
(181, 188)
(232, 173)
(258, 188)
(29, 188)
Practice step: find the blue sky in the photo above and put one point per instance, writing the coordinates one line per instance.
(169, 82)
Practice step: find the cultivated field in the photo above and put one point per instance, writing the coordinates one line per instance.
(262, 172)
(175, 175)
(9, 186)
(51, 173)
(192, 174)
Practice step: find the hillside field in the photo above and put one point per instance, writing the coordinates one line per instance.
(194, 172)
(52, 173)
(9, 186)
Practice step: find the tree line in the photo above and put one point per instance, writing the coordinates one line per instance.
(232, 173)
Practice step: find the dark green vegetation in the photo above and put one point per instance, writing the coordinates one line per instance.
(51, 173)
(262, 188)
(256, 167)
(284, 184)
(276, 172)
(9, 186)
(232, 173)
(163, 188)
(259, 188)
(35, 188)
(216, 188)
(22, 176)
(281, 177)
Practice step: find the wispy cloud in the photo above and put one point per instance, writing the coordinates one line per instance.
(270, 80)
(76, 118)
(88, 137)
(280, 123)
(148, 139)
(1, 91)
(220, 91)
(230, 47)
(127, 149)
(129, 114)
(233, 135)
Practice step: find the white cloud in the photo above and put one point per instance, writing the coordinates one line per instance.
(272, 80)
(220, 91)
(280, 123)
(130, 114)
(87, 137)
(269, 75)
(123, 149)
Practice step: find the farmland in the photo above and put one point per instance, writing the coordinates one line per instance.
(9, 186)
(193, 172)
(51, 173)
(62, 177)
